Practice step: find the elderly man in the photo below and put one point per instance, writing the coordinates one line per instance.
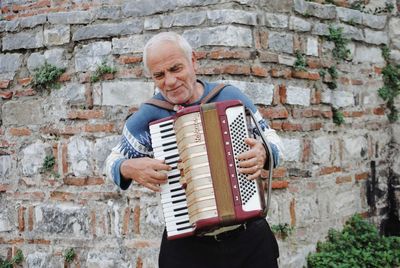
(169, 60)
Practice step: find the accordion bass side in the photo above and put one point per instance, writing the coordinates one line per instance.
(204, 189)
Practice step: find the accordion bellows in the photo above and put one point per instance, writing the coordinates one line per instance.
(204, 190)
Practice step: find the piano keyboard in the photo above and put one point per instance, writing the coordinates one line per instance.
(173, 198)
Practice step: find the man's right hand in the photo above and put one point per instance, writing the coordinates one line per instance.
(146, 171)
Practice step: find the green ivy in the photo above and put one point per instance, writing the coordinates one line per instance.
(69, 255)
(102, 70)
(338, 117)
(391, 88)
(340, 52)
(17, 259)
(49, 162)
(357, 245)
(46, 76)
(300, 63)
(283, 230)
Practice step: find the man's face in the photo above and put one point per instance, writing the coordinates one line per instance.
(173, 73)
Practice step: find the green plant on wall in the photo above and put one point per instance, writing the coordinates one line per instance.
(17, 259)
(69, 255)
(391, 87)
(101, 70)
(337, 117)
(46, 76)
(300, 63)
(357, 245)
(282, 230)
(340, 51)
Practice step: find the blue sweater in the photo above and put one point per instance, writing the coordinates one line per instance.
(136, 142)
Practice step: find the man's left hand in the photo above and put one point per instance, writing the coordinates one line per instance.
(252, 161)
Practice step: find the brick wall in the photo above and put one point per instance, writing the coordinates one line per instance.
(330, 172)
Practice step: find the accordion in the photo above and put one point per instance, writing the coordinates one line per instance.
(204, 189)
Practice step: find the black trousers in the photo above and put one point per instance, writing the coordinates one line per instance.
(253, 247)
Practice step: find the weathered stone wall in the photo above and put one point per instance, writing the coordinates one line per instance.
(330, 172)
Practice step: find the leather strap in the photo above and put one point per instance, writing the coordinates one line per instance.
(169, 106)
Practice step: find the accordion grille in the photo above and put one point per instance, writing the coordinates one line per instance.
(238, 133)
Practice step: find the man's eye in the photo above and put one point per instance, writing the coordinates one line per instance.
(176, 68)
(158, 76)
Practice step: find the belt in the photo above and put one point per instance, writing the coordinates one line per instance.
(229, 234)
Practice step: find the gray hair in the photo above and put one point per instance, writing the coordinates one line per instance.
(169, 37)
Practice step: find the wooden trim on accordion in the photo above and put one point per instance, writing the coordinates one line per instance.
(218, 164)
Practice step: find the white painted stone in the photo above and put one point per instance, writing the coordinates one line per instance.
(127, 93)
(291, 149)
(298, 95)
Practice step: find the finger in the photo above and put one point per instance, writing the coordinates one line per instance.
(250, 141)
(254, 176)
(248, 163)
(157, 177)
(249, 170)
(160, 165)
(247, 155)
(153, 187)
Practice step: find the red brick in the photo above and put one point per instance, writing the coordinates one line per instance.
(306, 151)
(378, 70)
(62, 196)
(30, 218)
(309, 126)
(274, 112)
(32, 196)
(262, 40)
(99, 128)
(125, 221)
(24, 81)
(282, 94)
(344, 179)
(327, 114)
(229, 54)
(21, 218)
(276, 99)
(38, 241)
(65, 77)
(130, 59)
(20, 131)
(329, 170)
(4, 84)
(136, 220)
(83, 181)
(276, 125)
(281, 73)
(362, 176)
(280, 184)
(85, 114)
(353, 113)
(356, 82)
(316, 97)
(259, 71)
(292, 210)
(200, 55)
(93, 223)
(4, 187)
(64, 155)
(139, 262)
(344, 81)
(313, 76)
(25, 92)
(379, 111)
(291, 126)
(300, 74)
(6, 95)
(314, 63)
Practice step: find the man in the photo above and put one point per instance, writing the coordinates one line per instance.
(169, 60)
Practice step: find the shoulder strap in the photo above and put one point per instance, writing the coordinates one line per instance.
(169, 106)
(213, 93)
(162, 104)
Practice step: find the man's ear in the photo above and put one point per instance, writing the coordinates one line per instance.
(194, 61)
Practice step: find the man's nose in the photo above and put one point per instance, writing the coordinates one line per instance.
(169, 79)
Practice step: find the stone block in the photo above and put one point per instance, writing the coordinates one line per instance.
(38, 260)
(62, 220)
(27, 39)
(131, 44)
(9, 64)
(231, 36)
(152, 23)
(5, 167)
(365, 54)
(355, 147)
(107, 12)
(374, 21)
(308, 211)
(33, 21)
(321, 150)
(276, 20)
(141, 8)
(315, 9)
(9, 26)
(5, 223)
(351, 32)
(299, 25)
(298, 95)
(88, 57)
(320, 29)
(259, 93)
(101, 150)
(33, 158)
(22, 113)
(127, 93)
(312, 46)
(80, 156)
(349, 15)
(280, 42)
(54, 56)
(56, 35)
(72, 17)
(229, 16)
(291, 149)
(189, 18)
(394, 32)
(375, 37)
(108, 30)
(342, 98)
